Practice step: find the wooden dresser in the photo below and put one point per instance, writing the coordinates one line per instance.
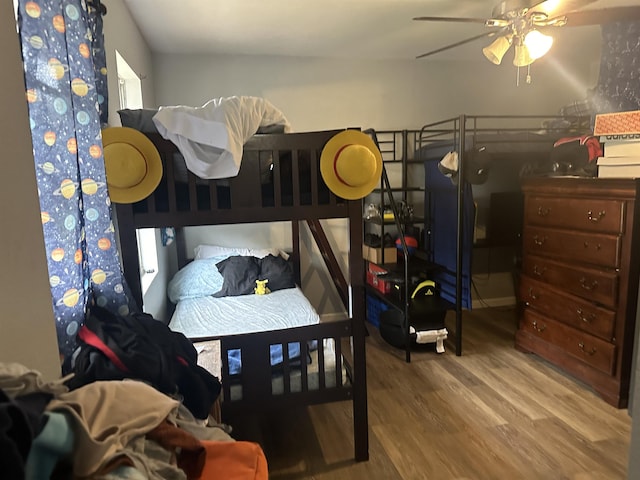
(579, 280)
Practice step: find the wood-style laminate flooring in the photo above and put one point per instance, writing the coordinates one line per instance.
(492, 413)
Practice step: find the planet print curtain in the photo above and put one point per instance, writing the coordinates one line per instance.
(65, 76)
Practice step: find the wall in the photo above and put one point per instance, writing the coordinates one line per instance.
(321, 93)
(28, 328)
(317, 93)
(122, 34)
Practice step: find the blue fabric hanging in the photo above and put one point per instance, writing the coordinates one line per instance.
(64, 100)
(441, 210)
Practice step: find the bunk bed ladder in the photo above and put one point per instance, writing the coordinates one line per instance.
(405, 250)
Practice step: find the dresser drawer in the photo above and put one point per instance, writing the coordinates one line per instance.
(594, 215)
(594, 285)
(593, 248)
(593, 351)
(568, 309)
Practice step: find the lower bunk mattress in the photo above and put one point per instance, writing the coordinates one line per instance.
(206, 319)
(209, 316)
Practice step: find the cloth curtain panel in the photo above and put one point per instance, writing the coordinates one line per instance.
(618, 87)
(60, 39)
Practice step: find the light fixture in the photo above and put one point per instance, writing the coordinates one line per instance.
(538, 44)
(497, 49)
(522, 58)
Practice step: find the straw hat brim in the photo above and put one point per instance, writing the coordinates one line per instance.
(132, 164)
(328, 156)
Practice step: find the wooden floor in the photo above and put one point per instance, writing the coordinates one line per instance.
(492, 413)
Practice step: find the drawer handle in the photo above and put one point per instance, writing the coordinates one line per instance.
(591, 352)
(539, 271)
(588, 285)
(539, 329)
(582, 317)
(597, 217)
(543, 211)
(539, 240)
(598, 246)
(531, 294)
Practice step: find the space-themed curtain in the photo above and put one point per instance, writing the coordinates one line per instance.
(618, 87)
(65, 76)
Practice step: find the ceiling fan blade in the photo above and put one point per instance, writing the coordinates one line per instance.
(602, 16)
(457, 44)
(488, 22)
(555, 8)
(549, 8)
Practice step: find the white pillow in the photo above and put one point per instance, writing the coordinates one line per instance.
(207, 251)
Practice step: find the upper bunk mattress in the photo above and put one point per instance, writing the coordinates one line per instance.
(216, 317)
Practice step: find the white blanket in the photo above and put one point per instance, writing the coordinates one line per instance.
(219, 316)
(211, 137)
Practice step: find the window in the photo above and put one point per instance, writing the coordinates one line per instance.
(129, 85)
(130, 95)
(148, 256)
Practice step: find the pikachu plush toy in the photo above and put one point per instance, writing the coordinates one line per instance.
(261, 287)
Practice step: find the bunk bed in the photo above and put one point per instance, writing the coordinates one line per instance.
(482, 145)
(278, 181)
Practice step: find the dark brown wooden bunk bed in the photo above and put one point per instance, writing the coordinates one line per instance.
(292, 190)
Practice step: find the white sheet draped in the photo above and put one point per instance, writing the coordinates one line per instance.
(211, 137)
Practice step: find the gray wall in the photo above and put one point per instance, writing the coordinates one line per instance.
(28, 329)
(317, 93)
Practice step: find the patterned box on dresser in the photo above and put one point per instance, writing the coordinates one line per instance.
(579, 279)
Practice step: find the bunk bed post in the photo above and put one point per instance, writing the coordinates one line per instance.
(295, 254)
(181, 247)
(460, 233)
(356, 274)
(126, 231)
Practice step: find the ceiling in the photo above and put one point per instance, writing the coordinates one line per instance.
(374, 29)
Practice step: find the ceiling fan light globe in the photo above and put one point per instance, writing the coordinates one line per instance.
(538, 44)
(496, 50)
(522, 58)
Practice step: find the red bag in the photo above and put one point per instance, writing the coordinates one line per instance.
(577, 155)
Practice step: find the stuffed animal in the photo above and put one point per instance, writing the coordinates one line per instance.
(261, 287)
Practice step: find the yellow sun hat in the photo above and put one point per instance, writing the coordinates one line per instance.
(132, 164)
(351, 164)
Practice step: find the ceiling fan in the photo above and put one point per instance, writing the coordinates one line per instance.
(521, 23)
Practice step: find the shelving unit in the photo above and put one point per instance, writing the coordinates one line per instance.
(406, 180)
(403, 181)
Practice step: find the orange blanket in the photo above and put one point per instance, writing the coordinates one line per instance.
(234, 461)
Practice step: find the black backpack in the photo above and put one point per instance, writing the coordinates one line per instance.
(137, 346)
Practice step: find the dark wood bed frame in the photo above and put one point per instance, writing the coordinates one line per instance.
(294, 192)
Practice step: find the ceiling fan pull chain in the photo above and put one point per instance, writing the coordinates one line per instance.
(529, 74)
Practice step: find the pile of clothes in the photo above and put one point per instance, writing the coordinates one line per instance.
(118, 429)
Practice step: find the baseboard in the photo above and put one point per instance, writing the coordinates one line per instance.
(493, 302)
(329, 317)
